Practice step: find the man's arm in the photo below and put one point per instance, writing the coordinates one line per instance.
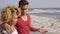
(41, 30)
(34, 29)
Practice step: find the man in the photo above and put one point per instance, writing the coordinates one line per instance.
(24, 22)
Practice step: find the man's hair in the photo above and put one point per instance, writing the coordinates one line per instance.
(23, 2)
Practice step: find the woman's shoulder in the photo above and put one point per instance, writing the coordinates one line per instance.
(1, 25)
(2, 29)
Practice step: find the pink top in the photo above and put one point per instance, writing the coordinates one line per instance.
(23, 27)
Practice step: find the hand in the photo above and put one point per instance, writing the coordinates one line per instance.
(42, 31)
(9, 28)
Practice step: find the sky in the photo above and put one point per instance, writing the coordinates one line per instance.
(33, 3)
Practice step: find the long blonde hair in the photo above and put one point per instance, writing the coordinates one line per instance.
(8, 12)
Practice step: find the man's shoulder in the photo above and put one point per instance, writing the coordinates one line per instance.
(29, 16)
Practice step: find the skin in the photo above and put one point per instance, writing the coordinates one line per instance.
(24, 10)
(10, 26)
(14, 19)
(24, 17)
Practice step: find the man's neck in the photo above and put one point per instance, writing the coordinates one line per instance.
(23, 15)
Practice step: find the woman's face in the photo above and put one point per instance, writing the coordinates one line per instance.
(14, 19)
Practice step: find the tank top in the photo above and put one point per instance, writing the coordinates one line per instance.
(23, 27)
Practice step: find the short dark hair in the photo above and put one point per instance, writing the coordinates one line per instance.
(23, 2)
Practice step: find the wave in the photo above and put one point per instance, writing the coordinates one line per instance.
(40, 10)
(48, 23)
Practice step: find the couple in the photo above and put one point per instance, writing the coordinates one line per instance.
(12, 16)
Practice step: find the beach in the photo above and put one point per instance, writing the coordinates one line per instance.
(50, 19)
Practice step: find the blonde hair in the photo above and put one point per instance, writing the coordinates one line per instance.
(8, 12)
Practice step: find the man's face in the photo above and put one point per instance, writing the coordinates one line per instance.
(24, 9)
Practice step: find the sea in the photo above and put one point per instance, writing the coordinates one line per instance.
(47, 17)
(46, 12)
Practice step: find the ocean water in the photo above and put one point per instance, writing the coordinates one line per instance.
(47, 17)
(45, 12)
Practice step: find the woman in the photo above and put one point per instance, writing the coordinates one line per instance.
(9, 17)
